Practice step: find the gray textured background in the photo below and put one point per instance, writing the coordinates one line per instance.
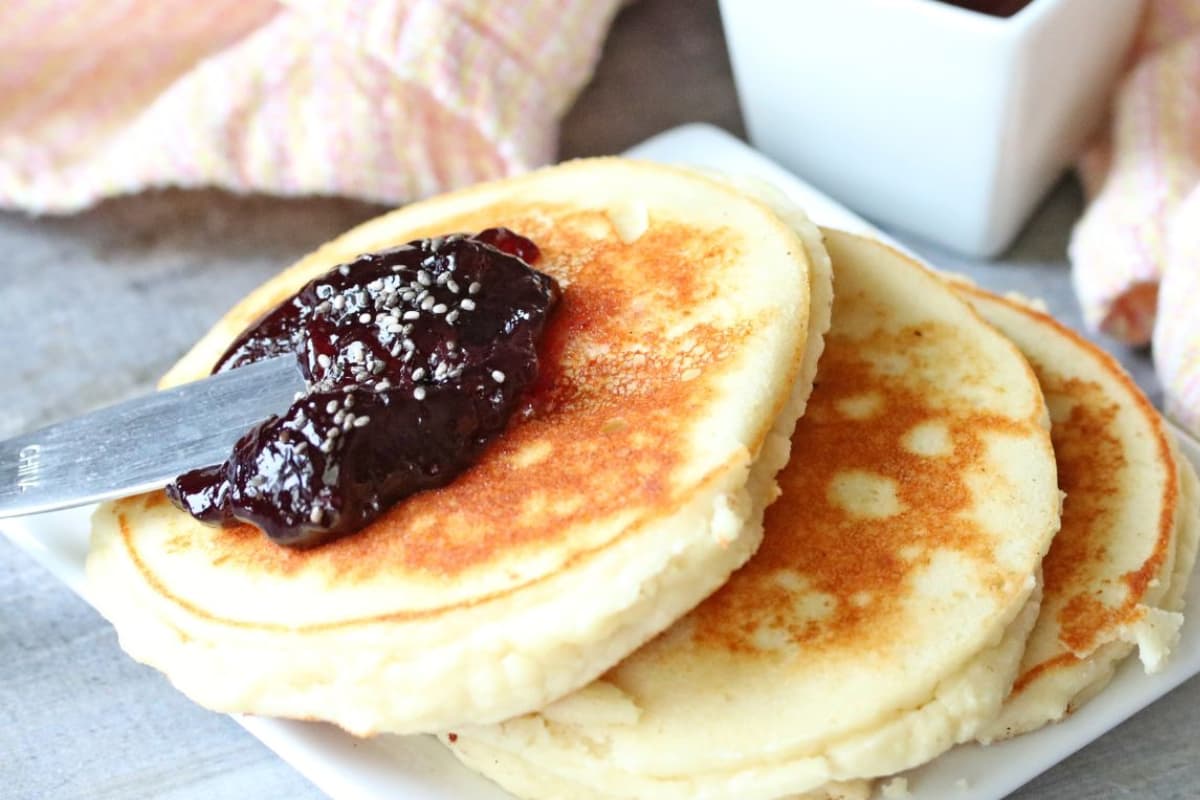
(96, 306)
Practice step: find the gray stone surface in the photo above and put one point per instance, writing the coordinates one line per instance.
(96, 306)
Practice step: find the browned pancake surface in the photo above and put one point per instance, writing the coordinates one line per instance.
(613, 381)
(862, 562)
(1094, 470)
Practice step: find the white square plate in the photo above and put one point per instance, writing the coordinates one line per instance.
(419, 768)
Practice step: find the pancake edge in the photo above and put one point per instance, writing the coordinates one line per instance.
(842, 770)
(1060, 686)
(1057, 693)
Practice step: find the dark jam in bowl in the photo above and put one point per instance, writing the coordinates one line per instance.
(994, 8)
(415, 359)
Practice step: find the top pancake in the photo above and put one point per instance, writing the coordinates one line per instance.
(882, 618)
(1116, 571)
(584, 530)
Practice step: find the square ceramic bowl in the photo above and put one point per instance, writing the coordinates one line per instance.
(946, 122)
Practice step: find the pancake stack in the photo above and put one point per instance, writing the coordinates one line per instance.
(664, 586)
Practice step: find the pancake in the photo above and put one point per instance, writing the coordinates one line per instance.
(883, 618)
(1117, 570)
(669, 379)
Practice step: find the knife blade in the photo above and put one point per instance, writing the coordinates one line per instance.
(143, 443)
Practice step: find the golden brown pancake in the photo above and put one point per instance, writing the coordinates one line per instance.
(1116, 572)
(883, 618)
(634, 490)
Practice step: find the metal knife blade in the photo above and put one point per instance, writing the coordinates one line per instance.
(143, 443)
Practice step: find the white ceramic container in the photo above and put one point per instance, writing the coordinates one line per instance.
(945, 122)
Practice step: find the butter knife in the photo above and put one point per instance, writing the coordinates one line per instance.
(143, 443)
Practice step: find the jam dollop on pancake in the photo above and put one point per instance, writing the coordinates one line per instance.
(415, 359)
(671, 373)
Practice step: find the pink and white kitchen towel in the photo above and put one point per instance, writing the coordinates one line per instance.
(1136, 252)
(386, 100)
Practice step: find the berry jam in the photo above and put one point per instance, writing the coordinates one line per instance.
(415, 358)
(995, 8)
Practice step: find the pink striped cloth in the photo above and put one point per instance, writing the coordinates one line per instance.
(387, 100)
(1136, 251)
